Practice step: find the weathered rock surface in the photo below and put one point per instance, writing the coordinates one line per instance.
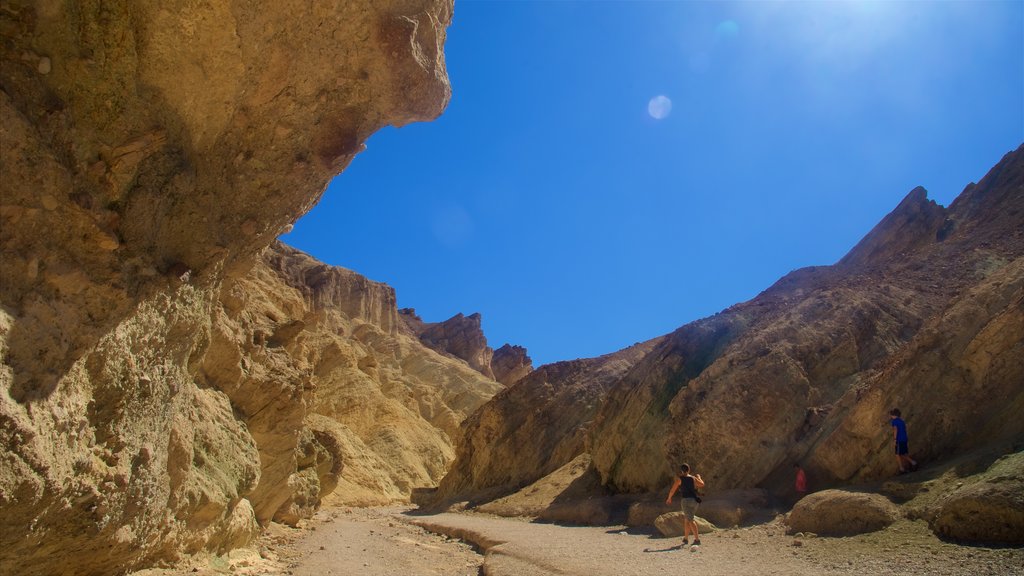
(926, 313)
(299, 345)
(808, 370)
(988, 510)
(534, 427)
(726, 508)
(460, 336)
(670, 524)
(510, 364)
(841, 513)
(149, 151)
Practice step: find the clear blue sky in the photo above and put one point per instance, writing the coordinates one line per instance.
(566, 202)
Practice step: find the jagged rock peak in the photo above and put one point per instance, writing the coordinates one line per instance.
(915, 222)
(460, 336)
(510, 363)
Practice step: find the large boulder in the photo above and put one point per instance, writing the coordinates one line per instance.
(841, 513)
(990, 510)
(671, 524)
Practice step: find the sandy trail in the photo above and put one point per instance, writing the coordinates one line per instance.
(394, 542)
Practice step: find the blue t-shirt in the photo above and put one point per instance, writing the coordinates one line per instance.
(901, 429)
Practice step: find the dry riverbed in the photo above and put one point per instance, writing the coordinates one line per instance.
(391, 541)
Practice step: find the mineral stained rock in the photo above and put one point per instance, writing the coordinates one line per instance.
(150, 150)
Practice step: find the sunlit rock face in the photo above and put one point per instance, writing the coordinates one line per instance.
(313, 361)
(149, 151)
(510, 363)
(534, 427)
(460, 336)
(926, 313)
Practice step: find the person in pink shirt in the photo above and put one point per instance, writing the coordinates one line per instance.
(801, 481)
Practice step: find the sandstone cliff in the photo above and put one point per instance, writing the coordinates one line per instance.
(306, 349)
(926, 313)
(149, 151)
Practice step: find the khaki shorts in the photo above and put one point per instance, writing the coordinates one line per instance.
(689, 508)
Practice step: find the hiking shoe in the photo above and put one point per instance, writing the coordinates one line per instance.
(696, 542)
(686, 541)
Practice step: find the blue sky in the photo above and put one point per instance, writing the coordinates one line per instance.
(609, 171)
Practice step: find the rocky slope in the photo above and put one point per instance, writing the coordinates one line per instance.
(149, 152)
(926, 313)
(313, 356)
(534, 427)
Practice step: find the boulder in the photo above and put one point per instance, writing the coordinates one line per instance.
(991, 510)
(841, 513)
(671, 524)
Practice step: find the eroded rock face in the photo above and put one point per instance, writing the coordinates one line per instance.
(461, 336)
(149, 150)
(510, 363)
(926, 313)
(808, 370)
(313, 359)
(534, 427)
(988, 510)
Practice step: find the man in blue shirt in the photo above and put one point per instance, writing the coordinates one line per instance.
(899, 428)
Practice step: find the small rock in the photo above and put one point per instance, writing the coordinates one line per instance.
(45, 66)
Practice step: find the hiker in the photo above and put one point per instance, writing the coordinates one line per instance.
(801, 481)
(690, 484)
(899, 429)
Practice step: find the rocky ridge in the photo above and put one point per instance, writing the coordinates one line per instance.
(463, 337)
(926, 313)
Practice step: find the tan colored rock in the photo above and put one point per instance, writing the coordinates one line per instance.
(332, 391)
(460, 336)
(510, 364)
(841, 513)
(161, 147)
(533, 428)
(809, 369)
(726, 508)
(990, 509)
(670, 524)
(924, 314)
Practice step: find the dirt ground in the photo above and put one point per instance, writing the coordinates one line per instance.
(393, 542)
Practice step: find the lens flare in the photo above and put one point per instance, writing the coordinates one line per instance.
(659, 107)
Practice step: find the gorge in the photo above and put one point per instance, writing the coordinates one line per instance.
(174, 379)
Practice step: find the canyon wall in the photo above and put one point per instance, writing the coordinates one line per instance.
(150, 150)
(926, 313)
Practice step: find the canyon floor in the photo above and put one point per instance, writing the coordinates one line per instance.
(396, 541)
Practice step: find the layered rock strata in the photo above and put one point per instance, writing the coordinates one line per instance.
(149, 151)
